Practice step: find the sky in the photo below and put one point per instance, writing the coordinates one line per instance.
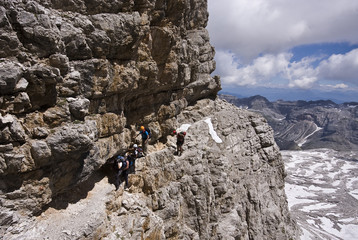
(286, 49)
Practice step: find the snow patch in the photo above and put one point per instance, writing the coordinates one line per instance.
(183, 128)
(328, 226)
(336, 183)
(347, 167)
(322, 192)
(306, 235)
(212, 132)
(354, 194)
(317, 207)
(298, 195)
(303, 141)
(320, 189)
(351, 183)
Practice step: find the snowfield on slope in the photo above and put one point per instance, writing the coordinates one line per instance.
(322, 192)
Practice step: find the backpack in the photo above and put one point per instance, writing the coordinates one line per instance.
(131, 159)
(140, 153)
(120, 160)
(137, 153)
(125, 165)
(149, 133)
(181, 136)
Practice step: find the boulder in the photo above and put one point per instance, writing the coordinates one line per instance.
(10, 75)
(79, 107)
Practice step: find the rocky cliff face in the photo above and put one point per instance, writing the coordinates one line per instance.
(77, 77)
(228, 184)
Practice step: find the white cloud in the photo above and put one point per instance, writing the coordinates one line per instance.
(337, 86)
(340, 86)
(252, 27)
(266, 69)
(341, 67)
(303, 82)
(263, 69)
(227, 68)
(301, 74)
(252, 39)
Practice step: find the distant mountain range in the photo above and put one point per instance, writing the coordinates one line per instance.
(306, 124)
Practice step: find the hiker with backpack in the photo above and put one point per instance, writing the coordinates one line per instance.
(135, 151)
(180, 141)
(132, 154)
(145, 132)
(121, 166)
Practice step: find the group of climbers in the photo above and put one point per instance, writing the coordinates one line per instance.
(124, 165)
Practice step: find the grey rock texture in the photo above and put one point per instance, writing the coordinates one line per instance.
(76, 76)
(307, 125)
(79, 77)
(228, 184)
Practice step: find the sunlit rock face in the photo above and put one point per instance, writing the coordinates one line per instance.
(78, 77)
(228, 184)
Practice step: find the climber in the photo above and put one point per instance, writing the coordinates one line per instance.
(132, 154)
(135, 151)
(180, 141)
(121, 167)
(145, 132)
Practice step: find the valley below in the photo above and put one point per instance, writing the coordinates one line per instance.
(302, 125)
(322, 192)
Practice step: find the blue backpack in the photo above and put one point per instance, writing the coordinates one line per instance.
(120, 159)
(149, 133)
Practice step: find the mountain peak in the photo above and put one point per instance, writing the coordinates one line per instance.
(307, 124)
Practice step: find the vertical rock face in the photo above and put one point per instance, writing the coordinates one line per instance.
(77, 77)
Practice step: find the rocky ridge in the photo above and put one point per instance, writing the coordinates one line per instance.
(229, 186)
(77, 77)
(307, 125)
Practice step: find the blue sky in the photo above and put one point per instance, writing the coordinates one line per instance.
(286, 49)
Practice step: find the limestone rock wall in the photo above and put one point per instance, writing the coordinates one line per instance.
(77, 77)
(228, 184)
